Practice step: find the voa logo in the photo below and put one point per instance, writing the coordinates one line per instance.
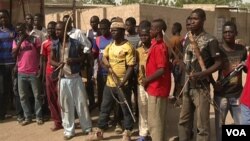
(236, 132)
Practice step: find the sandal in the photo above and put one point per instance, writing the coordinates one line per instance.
(39, 122)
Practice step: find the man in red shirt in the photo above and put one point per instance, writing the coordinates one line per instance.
(51, 85)
(245, 98)
(157, 82)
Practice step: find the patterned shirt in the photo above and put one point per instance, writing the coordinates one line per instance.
(209, 48)
(6, 41)
(231, 59)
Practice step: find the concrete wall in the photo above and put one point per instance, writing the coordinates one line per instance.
(169, 14)
(207, 7)
(243, 26)
(17, 10)
(124, 12)
(172, 15)
(85, 15)
(55, 16)
(108, 13)
(213, 25)
(221, 16)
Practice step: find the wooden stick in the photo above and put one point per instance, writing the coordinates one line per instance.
(197, 52)
(58, 68)
(170, 46)
(62, 59)
(143, 71)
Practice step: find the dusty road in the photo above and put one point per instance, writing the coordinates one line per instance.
(10, 130)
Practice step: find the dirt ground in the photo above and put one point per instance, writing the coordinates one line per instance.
(10, 130)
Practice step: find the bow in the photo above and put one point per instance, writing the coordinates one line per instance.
(62, 58)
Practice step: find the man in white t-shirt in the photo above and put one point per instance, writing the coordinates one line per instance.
(77, 34)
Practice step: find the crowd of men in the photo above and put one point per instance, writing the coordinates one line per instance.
(41, 70)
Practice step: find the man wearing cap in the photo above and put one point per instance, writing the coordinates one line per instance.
(119, 60)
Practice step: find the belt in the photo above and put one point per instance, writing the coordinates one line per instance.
(71, 76)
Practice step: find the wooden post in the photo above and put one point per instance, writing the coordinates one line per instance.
(74, 12)
(42, 11)
(10, 11)
(23, 9)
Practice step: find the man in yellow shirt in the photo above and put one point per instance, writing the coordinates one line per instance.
(119, 59)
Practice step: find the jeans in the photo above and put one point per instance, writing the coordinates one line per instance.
(25, 82)
(18, 106)
(245, 115)
(224, 105)
(108, 103)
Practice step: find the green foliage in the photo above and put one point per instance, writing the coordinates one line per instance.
(130, 1)
(179, 3)
(164, 2)
(245, 5)
(158, 2)
(82, 1)
(102, 1)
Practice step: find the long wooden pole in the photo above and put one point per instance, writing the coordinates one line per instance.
(62, 59)
(23, 9)
(11, 2)
(197, 52)
(41, 6)
(74, 12)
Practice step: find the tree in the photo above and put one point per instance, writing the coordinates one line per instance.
(130, 1)
(164, 2)
(83, 1)
(179, 3)
(158, 2)
(245, 5)
(101, 1)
